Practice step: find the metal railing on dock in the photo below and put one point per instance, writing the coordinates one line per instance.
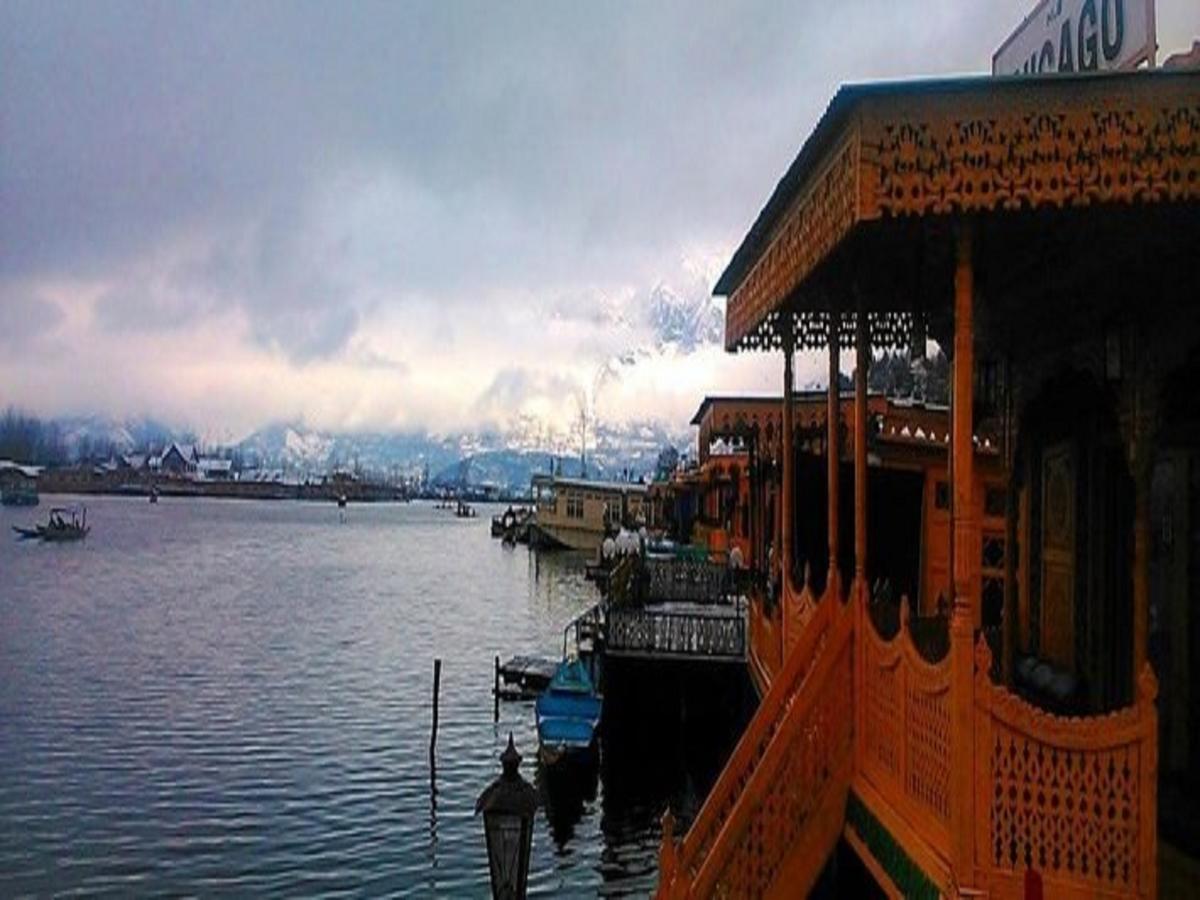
(656, 632)
(692, 581)
(636, 580)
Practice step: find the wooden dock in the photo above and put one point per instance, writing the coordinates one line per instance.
(523, 677)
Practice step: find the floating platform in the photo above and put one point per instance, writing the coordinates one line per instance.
(524, 677)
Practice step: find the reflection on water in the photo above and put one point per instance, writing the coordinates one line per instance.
(227, 696)
(566, 791)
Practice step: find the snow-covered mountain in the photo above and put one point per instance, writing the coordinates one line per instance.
(97, 435)
(504, 458)
(685, 322)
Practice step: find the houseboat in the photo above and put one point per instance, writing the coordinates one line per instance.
(18, 484)
(578, 513)
(735, 491)
(1043, 232)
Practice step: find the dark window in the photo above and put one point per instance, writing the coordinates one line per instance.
(993, 602)
(993, 552)
(994, 502)
(941, 495)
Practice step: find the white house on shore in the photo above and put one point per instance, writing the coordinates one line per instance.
(180, 459)
(212, 468)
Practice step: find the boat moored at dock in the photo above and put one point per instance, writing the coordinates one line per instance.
(568, 712)
(578, 513)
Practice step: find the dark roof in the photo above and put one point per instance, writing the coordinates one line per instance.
(839, 111)
(775, 399)
(594, 484)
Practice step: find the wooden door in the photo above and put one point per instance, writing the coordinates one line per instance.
(1059, 476)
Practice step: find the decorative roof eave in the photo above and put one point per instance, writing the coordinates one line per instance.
(956, 147)
(822, 214)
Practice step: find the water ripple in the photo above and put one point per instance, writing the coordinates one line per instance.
(230, 697)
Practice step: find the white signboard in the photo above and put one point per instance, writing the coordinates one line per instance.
(1079, 36)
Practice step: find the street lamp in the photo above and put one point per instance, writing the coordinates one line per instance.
(508, 805)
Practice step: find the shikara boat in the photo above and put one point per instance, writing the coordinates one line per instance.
(67, 523)
(568, 712)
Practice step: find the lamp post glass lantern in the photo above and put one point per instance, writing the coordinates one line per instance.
(508, 805)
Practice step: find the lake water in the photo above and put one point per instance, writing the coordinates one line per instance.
(216, 696)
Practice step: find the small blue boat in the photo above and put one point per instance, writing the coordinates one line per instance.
(568, 712)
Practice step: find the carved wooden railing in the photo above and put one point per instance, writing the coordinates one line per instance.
(787, 776)
(797, 605)
(1068, 802)
(765, 650)
(651, 631)
(1073, 799)
(903, 743)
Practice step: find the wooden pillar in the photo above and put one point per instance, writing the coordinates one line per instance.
(784, 553)
(862, 350)
(1141, 466)
(966, 561)
(965, 519)
(833, 446)
(786, 420)
(1141, 566)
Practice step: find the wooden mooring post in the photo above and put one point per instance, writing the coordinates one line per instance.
(437, 686)
(496, 692)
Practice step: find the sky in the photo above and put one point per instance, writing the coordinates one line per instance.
(406, 215)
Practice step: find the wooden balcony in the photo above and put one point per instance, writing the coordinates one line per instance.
(859, 736)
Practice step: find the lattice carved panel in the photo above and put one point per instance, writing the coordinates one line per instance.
(1004, 157)
(797, 786)
(1073, 798)
(817, 221)
(1065, 811)
(1058, 146)
(759, 735)
(906, 734)
(928, 737)
(889, 330)
(883, 727)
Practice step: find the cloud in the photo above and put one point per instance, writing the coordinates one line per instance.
(276, 202)
(519, 392)
(25, 318)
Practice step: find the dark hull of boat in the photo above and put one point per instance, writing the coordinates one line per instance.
(61, 535)
(53, 535)
(540, 539)
(568, 758)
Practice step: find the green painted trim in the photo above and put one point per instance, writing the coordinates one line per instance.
(899, 866)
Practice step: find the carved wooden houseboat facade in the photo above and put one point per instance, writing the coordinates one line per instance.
(908, 483)
(578, 513)
(1045, 233)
